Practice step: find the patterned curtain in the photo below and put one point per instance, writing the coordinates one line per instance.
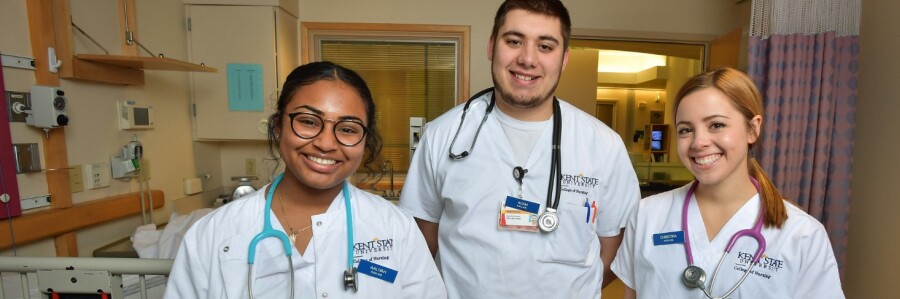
(803, 57)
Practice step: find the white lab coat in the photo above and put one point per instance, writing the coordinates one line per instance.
(478, 260)
(212, 260)
(798, 261)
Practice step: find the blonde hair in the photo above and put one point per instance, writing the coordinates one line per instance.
(746, 98)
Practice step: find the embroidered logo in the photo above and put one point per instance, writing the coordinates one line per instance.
(376, 249)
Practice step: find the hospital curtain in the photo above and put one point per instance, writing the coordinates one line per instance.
(407, 79)
(803, 57)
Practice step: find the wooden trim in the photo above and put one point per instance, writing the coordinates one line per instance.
(311, 32)
(52, 223)
(40, 27)
(107, 73)
(62, 27)
(131, 14)
(66, 245)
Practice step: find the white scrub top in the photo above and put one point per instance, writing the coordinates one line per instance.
(798, 261)
(212, 260)
(478, 260)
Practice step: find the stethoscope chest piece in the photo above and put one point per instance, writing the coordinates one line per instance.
(548, 221)
(694, 277)
(350, 279)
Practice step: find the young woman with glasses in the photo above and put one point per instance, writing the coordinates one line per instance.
(344, 242)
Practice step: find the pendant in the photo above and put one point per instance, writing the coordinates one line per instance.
(548, 221)
(293, 237)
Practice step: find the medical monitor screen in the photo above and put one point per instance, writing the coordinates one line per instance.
(656, 135)
(656, 145)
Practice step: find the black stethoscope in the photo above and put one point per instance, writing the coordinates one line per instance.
(548, 221)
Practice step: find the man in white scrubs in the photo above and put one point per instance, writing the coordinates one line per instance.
(478, 189)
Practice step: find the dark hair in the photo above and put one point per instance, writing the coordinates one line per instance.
(313, 72)
(551, 8)
(746, 98)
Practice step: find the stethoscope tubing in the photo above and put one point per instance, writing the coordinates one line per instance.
(555, 164)
(755, 232)
(268, 232)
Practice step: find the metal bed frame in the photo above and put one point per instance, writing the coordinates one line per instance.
(70, 275)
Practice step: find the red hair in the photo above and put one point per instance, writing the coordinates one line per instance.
(746, 98)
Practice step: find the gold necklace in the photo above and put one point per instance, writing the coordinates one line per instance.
(293, 235)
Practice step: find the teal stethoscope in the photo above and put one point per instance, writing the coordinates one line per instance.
(350, 275)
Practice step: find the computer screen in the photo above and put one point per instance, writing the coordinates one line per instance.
(656, 135)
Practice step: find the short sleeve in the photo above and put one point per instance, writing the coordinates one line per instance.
(420, 197)
(422, 278)
(622, 193)
(623, 264)
(818, 276)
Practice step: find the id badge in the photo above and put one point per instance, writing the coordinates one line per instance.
(518, 214)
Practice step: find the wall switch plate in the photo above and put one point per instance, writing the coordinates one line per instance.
(35, 202)
(17, 102)
(250, 166)
(76, 179)
(145, 170)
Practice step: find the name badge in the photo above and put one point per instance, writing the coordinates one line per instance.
(377, 271)
(518, 214)
(676, 237)
(523, 205)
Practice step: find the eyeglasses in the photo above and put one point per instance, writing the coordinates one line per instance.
(348, 132)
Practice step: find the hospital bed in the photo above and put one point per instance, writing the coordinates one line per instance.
(41, 277)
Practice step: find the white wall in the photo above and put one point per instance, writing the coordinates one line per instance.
(873, 265)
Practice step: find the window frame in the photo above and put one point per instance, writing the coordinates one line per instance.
(312, 33)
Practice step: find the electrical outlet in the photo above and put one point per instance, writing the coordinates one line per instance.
(17, 102)
(96, 175)
(76, 179)
(250, 166)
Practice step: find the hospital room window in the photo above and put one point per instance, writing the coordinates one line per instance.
(416, 76)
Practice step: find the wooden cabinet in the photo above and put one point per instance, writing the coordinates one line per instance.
(262, 36)
(656, 142)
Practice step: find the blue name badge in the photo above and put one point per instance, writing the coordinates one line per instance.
(523, 205)
(676, 237)
(377, 271)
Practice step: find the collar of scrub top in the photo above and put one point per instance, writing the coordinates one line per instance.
(487, 111)
(694, 276)
(349, 277)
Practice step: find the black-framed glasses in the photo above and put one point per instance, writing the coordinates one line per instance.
(348, 132)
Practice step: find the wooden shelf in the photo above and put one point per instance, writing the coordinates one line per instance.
(147, 63)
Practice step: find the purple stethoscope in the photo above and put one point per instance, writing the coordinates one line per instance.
(694, 276)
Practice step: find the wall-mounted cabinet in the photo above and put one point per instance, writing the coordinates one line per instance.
(257, 37)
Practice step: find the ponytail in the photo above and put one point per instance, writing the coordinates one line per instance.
(772, 200)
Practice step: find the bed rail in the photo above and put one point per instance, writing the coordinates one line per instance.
(88, 268)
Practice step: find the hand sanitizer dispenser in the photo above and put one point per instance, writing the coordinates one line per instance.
(416, 128)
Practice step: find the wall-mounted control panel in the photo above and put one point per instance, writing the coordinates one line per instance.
(133, 115)
(48, 107)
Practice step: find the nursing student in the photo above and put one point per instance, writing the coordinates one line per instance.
(521, 194)
(729, 233)
(343, 242)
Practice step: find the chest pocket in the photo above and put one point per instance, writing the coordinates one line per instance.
(574, 241)
(270, 277)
